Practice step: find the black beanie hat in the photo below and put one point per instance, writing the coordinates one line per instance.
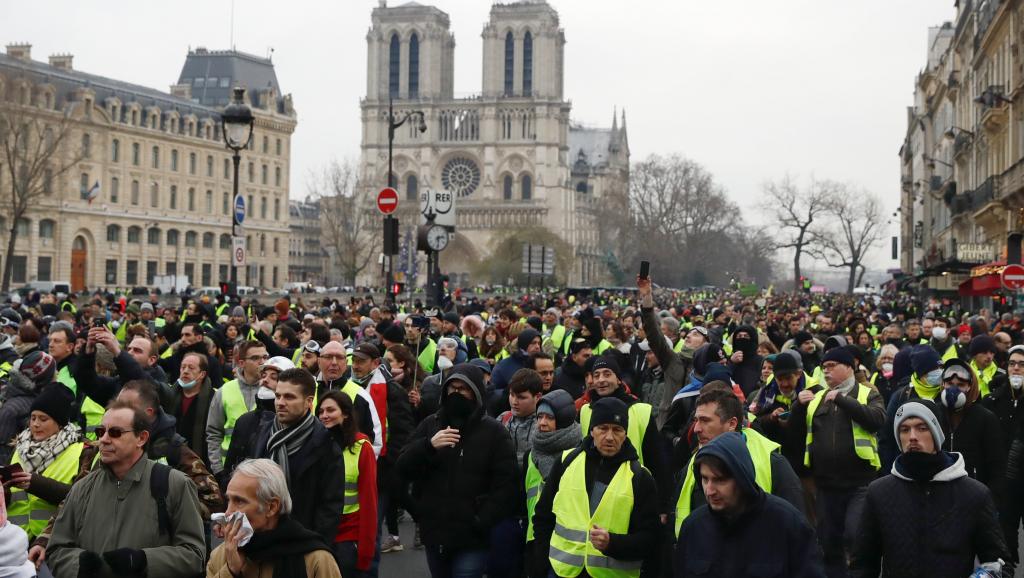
(839, 355)
(981, 344)
(56, 401)
(608, 410)
(787, 362)
(607, 362)
(394, 333)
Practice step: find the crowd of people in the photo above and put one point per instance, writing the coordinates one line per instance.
(655, 433)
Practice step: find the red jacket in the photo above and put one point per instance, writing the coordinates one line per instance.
(361, 526)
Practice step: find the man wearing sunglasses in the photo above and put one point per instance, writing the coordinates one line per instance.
(106, 526)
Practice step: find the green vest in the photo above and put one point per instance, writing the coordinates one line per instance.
(602, 346)
(352, 476)
(639, 418)
(33, 513)
(760, 448)
(160, 322)
(426, 357)
(234, 407)
(571, 550)
(534, 486)
(90, 410)
(557, 336)
(865, 444)
(984, 376)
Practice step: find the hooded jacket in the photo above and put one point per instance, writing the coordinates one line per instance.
(460, 493)
(708, 539)
(644, 525)
(570, 378)
(506, 368)
(674, 366)
(929, 529)
(748, 372)
(15, 405)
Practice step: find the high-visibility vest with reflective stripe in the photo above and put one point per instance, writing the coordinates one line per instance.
(534, 486)
(297, 357)
(5, 369)
(602, 346)
(90, 410)
(639, 418)
(352, 476)
(426, 357)
(122, 331)
(865, 444)
(950, 353)
(234, 407)
(221, 309)
(984, 376)
(33, 513)
(760, 449)
(571, 550)
(680, 345)
(69, 306)
(557, 336)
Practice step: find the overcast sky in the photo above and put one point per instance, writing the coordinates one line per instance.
(751, 89)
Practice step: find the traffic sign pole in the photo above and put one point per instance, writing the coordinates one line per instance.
(387, 203)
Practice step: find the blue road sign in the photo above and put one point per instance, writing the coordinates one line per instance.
(239, 209)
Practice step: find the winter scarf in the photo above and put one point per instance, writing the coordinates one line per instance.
(286, 546)
(37, 456)
(548, 446)
(285, 442)
(847, 387)
(770, 393)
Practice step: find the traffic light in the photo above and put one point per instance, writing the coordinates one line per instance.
(397, 288)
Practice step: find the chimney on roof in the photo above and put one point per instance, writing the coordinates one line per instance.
(61, 61)
(21, 51)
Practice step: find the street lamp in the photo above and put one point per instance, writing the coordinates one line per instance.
(238, 124)
(389, 221)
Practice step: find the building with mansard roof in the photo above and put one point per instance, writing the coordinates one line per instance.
(510, 155)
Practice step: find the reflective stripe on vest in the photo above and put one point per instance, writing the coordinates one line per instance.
(32, 513)
(426, 357)
(639, 418)
(571, 550)
(90, 410)
(534, 486)
(558, 336)
(234, 407)
(865, 444)
(352, 476)
(760, 449)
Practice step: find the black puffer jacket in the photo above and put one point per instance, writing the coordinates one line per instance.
(461, 493)
(15, 403)
(570, 378)
(927, 530)
(979, 439)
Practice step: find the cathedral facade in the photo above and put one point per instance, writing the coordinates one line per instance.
(510, 155)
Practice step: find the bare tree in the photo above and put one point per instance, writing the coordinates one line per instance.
(36, 148)
(350, 226)
(855, 230)
(795, 212)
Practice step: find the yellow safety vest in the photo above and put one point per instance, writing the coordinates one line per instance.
(352, 476)
(557, 336)
(32, 513)
(534, 486)
(950, 353)
(760, 448)
(92, 411)
(984, 376)
(426, 357)
(639, 418)
(234, 406)
(602, 346)
(865, 444)
(571, 550)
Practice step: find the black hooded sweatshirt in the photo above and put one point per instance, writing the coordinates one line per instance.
(748, 372)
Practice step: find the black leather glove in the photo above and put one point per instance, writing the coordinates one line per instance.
(89, 564)
(126, 561)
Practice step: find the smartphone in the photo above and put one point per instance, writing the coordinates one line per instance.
(784, 415)
(7, 472)
(99, 322)
(645, 269)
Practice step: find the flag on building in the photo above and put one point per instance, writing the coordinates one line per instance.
(93, 193)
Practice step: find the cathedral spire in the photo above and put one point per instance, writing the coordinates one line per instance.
(623, 119)
(615, 118)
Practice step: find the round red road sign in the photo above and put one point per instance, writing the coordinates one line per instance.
(387, 200)
(1013, 277)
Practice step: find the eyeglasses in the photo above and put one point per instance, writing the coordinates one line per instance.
(333, 357)
(115, 432)
(1018, 364)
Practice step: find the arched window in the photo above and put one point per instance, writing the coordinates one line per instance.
(153, 236)
(527, 187)
(191, 238)
(172, 237)
(414, 66)
(394, 58)
(527, 64)
(508, 187)
(46, 228)
(225, 241)
(208, 240)
(133, 234)
(113, 233)
(510, 59)
(411, 188)
(115, 151)
(174, 197)
(86, 145)
(154, 195)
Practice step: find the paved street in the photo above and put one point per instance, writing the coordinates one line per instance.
(408, 563)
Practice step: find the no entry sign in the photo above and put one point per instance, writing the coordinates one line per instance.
(1013, 277)
(387, 200)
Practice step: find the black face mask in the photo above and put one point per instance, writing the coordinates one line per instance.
(922, 467)
(265, 404)
(458, 409)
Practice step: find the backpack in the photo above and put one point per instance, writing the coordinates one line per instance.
(159, 487)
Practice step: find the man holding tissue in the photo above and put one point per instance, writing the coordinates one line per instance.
(268, 542)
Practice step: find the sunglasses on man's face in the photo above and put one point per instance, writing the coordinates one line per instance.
(115, 432)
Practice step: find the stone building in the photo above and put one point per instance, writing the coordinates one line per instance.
(962, 160)
(510, 155)
(163, 172)
(306, 255)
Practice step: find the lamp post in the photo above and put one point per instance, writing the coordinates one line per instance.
(390, 223)
(238, 125)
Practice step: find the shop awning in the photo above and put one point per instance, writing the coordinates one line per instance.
(981, 286)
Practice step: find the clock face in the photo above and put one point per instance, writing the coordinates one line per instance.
(437, 238)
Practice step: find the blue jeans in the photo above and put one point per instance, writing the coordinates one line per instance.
(462, 564)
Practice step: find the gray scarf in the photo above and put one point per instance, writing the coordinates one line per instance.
(548, 446)
(846, 387)
(285, 442)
